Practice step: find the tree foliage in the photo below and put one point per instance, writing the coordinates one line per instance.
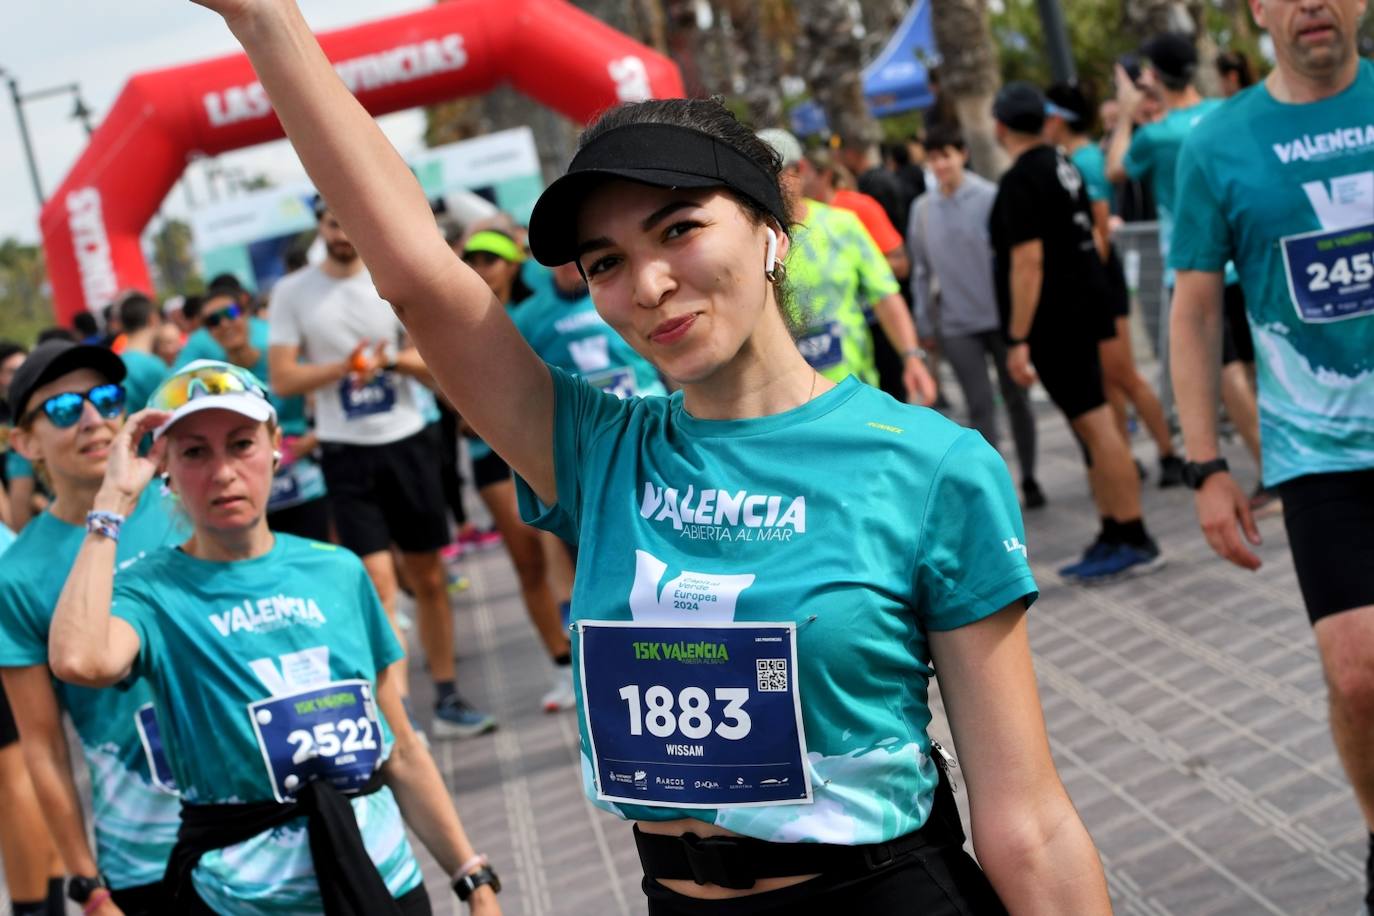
(25, 300)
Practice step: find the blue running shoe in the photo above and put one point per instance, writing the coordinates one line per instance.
(1093, 554)
(454, 718)
(1123, 561)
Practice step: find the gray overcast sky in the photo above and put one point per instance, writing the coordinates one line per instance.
(100, 43)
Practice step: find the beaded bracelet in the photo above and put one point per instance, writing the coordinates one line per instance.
(106, 524)
(97, 900)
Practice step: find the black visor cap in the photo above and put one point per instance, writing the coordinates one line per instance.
(660, 155)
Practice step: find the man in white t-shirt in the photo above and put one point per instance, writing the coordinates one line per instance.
(333, 337)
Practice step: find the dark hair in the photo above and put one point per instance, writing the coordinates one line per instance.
(84, 323)
(225, 282)
(945, 136)
(294, 259)
(191, 306)
(710, 117)
(7, 349)
(1072, 98)
(1236, 62)
(136, 312)
(56, 334)
(898, 153)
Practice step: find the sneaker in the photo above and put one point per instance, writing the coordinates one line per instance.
(469, 535)
(486, 539)
(451, 553)
(454, 718)
(1170, 472)
(1034, 496)
(1119, 562)
(458, 583)
(1095, 552)
(561, 696)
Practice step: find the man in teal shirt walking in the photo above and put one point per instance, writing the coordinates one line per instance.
(1280, 179)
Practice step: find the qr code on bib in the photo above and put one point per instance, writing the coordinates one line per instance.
(772, 675)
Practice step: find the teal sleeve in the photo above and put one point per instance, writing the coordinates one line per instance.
(876, 279)
(971, 561)
(6, 539)
(386, 649)
(1139, 160)
(581, 414)
(200, 345)
(136, 606)
(1202, 235)
(1094, 178)
(17, 466)
(23, 628)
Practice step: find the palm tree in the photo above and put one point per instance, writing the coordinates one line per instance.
(969, 77)
(830, 51)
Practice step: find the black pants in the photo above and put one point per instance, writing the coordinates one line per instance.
(412, 903)
(929, 882)
(449, 474)
(144, 900)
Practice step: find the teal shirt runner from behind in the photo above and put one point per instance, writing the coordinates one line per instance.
(1093, 166)
(1287, 191)
(145, 373)
(567, 332)
(134, 819)
(217, 642)
(799, 562)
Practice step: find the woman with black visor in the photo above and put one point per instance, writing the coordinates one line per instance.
(771, 564)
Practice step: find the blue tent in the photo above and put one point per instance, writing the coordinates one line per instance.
(896, 81)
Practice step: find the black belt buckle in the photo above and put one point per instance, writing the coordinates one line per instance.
(717, 860)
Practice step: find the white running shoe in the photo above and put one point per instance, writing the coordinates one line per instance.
(562, 695)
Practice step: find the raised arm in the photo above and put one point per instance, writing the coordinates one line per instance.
(482, 363)
(86, 645)
(1027, 835)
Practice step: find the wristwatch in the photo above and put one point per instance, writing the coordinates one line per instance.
(465, 886)
(1194, 474)
(80, 888)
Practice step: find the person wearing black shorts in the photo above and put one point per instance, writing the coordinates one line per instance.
(1051, 288)
(333, 335)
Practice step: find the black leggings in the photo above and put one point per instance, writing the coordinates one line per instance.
(928, 882)
(412, 903)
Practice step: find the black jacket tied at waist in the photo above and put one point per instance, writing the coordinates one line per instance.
(350, 884)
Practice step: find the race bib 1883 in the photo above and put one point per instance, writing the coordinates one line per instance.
(377, 396)
(328, 732)
(1331, 273)
(824, 348)
(694, 716)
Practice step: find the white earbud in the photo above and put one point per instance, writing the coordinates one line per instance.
(772, 252)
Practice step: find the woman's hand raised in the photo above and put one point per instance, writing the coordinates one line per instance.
(126, 471)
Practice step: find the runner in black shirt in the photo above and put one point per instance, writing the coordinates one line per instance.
(1051, 288)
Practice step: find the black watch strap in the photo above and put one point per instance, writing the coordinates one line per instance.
(465, 886)
(1194, 473)
(80, 888)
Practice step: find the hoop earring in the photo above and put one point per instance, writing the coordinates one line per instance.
(777, 274)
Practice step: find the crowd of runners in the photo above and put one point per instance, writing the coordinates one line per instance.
(693, 395)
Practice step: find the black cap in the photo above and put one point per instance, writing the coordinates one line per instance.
(1172, 54)
(1021, 107)
(1069, 102)
(661, 155)
(53, 359)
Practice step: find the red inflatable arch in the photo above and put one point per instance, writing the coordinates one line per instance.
(548, 49)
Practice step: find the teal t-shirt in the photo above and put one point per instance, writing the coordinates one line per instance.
(216, 637)
(17, 466)
(866, 522)
(200, 345)
(567, 332)
(135, 821)
(1093, 166)
(145, 373)
(1287, 191)
(1153, 155)
(6, 538)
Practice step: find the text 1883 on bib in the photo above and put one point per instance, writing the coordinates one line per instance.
(329, 732)
(694, 716)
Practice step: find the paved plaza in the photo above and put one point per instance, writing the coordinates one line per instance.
(1186, 712)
